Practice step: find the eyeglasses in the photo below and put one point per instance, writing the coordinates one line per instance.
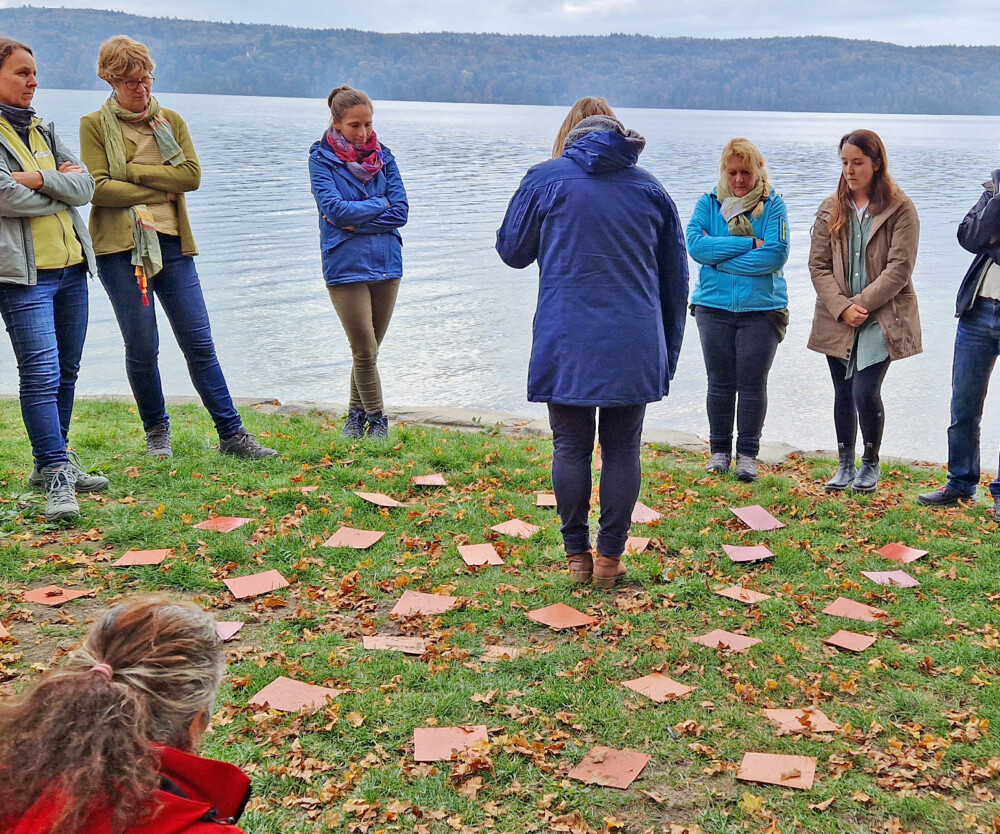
(133, 83)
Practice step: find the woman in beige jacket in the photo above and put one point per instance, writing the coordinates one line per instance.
(864, 246)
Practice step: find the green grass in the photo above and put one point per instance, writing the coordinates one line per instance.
(918, 746)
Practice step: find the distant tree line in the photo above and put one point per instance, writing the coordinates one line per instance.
(798, 74)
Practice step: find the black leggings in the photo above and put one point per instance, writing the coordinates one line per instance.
(858, 400)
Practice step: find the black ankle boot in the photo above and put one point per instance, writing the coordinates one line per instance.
(845, 473)
(868, 474)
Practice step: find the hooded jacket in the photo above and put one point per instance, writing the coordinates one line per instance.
(613, 275)
(979, 233)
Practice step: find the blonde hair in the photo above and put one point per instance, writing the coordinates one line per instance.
(584, 107)
(121, 57)
(749, 154)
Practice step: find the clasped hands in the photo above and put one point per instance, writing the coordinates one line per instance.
(855, 315)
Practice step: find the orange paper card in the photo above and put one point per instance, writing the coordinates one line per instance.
(287, 695)
(772, 769)
(641, 514)
(436, 744)
(610, 768)
(756, 518)
(658, 687)
(53, 595)
(4, 634)
(227, 631)
(256, 584)
(406, 645)
(720, 639)
(754, 553)
(435, 479)
(545, 499)
(897, 578)
(378, 499)
(560, 616)
(850, 641)
(636, 544)
(357, 539)
(899, 552)
(800, 720)
(142, 557)
(741, 594)
(479, 554)
(414, 602)
(851, 610)
(496, 654)
(222, 523)
(516, 527)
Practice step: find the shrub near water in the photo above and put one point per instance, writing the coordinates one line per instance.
(917, 749)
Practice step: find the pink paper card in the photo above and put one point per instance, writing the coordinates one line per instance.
(897, 578)
(753, 553)
(479, 554)
(899, 552)
(800, 720)
(772, 769)
(516, 527)
(222, 523)
(610, 768)
(306, 489)
(356, 539)
(744, 595)
(227, 631)
(256, 584)
(560, 616)
(54, 595)
(4, 634)
(287, 695)
(850, 641)
(142, 557)
(636, 544)
(415, 602)
(641, 514)
(497, 654)
(726, 640)
(436, 744)
(851, 610)
(384, 642)
(756, 518)
(435, 479)
(658, 687)
(545, 499)
(379, 499)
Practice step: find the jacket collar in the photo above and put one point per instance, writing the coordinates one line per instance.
(208, 784)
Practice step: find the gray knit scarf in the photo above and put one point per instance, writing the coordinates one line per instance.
(592, 123)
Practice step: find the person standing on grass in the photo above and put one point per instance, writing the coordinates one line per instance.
(613, 282)
(362, 206)
(864, 247)
(739, 235)
(143, 161)
(45, 255)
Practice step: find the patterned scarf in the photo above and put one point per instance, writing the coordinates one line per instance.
(364, 161)
(735, 209)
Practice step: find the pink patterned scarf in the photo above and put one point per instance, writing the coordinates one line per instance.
(364, 161)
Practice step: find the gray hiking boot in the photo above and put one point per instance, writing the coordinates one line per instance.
(378, 425)
(60, 493)
(245, 445)
(158, 442)
(719, 462)
(85, 482)
(354, 425)
(746, 468)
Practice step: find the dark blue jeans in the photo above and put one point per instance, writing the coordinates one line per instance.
(47, 324)
(620, 434)
(178, 290)
(977, 344)
(738, 349)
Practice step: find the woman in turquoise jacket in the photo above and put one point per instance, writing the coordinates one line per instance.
(739, 235)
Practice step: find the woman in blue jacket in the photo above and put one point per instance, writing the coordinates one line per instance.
(362, 205)
(608, 326)
(739, 235)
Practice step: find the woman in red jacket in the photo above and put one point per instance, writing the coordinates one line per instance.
(108, 742)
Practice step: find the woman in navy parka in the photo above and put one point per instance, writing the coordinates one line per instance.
(613, 284)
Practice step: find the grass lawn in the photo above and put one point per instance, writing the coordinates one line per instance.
(917, 745)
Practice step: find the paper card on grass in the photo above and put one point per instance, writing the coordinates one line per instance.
(406, 645)
(658, 687)
(850, 641)
(479, 554)
(357, 539)
(851, 610)
(545, 499)
(287, 695)
(899, 552)
(610, 768)
(560, 616)
(800, 720)
(641, 514)
(636, 544)
(4, 634)
(227, 631)
(742, 553)
(773, 769)
(223, 523)
(741, 594)
(726, 640)
(756, 517)
(255, 584)
(434, 479)
(892, 578)
(497, 654)
(142, 557)
(516, 527)
(436, 744)
(54, 595)
(415, 602)
(379, 499)
(311, 488)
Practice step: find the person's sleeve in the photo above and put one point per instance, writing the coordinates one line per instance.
(705, 248)
(398, 212)
(108, 192)
(770, 257)
(174, 179)
(899, 265)
(519, 236)
(336, 209)
(672, 263)
(18, 200)
(979, 231)
(72, 189)
(821, 269)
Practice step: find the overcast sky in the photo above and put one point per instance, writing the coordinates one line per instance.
(910, 22)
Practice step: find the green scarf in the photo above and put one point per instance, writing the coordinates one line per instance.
(736, 209)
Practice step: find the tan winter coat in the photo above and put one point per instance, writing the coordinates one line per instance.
(889, 295)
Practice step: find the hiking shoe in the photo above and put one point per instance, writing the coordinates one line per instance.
(60, 493)
(378, 425)
(746, 468)
(719, 462)
(607, 571)
(158, 442)
(944, 497)
(245, 445)
(354, 426)
(85, 482)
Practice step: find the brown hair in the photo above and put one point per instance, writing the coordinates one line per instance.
(8, 46)
(584, 107)
(121, 57)
(84, 735)
(343, 98)
(881, 193)
(749, 154)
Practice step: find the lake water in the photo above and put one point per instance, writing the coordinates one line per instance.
(462, 329)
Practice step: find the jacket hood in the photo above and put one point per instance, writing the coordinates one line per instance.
(321, 148)
(603, 150)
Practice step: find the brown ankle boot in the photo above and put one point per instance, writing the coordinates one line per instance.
(607, 571)
(581, 566)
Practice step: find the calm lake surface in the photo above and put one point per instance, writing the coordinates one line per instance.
(462, 329)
